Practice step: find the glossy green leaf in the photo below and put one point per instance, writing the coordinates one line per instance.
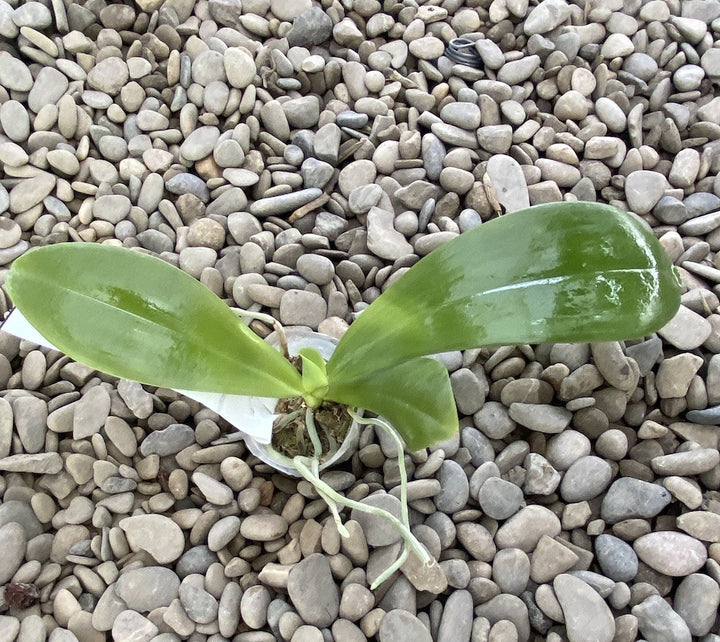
(567, 272)
(415, 397)
(135, 316)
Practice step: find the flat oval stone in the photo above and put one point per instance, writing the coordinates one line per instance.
(399, 625)
(12, 550)
(378, 530)
(499, 498)
(617, 559)
(31, 191)
(14, 73)
(168, 441)
(147, 588)
(199, 143)
(541, 417)
(263, 528)
(156, 534)
(457, 618)
(704, 525)
(455, 488)
(658, 621)
(586, 478)
(524, 529)
(696, 600)
(628, 498)
(671, 553)
(285, 202)
(691, 462)
(320, 605)
(643, 189)
(109, 75)
(587, 616)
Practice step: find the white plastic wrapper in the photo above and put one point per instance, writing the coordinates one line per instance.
(253, 416)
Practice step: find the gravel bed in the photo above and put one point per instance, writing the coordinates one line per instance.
(296, 157)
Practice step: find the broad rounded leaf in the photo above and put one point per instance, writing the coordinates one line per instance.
(135, 316)
(415, 397)
(564, 272)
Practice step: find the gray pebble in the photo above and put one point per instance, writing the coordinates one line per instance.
(671, 553)
(468, 390)
(517, 71)
(199, 143)
(195, 560)
(284, 203)
(658, 621)
(310, 27)
(109, 75)
(511, 570)
(30, 420)
(696, 601)
(691, 462)
(263, 527)
(524, 529)
(32, 14)
(455, 488)
(541, 417)
(457, 618)
(185, 183)
(499, 498)
(200, 606)
(300, 307)
(378, 530)
(587, 616)
(629, 498)
(643, 190)
(586, 478)
(506, 607)
(12, 551)
(616, 558)
(129, 626)
(398, 625)
(320, 605)
(156, 534)
(14, 74)
(169, 441)
(147, 588)
(20, 512)
(315, 268)
(565, 448)
(540, 476)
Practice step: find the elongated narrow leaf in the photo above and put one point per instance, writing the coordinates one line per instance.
(134, 316)
(415, 397)
(314, 375)
(559, 272)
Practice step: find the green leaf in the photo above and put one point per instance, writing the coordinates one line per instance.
(314, 376)
(415, 397)
(566, 272)
(135, 316)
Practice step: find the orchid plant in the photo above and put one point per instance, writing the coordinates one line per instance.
(569, 272)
